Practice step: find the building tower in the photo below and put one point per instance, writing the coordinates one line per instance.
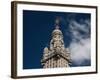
(56, 55)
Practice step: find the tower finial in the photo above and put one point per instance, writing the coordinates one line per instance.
(57, 22)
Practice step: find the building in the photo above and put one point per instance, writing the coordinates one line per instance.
(56, 55)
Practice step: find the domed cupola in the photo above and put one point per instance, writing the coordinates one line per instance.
(56, 31)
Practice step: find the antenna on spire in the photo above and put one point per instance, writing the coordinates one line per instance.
(57, 22)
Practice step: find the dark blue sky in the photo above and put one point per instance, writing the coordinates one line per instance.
(37, 29)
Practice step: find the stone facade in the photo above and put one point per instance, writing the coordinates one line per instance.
(56, 55)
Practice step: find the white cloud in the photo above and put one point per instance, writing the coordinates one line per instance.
(80, 47)
(80, 51)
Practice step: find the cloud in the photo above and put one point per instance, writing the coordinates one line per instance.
(80, 51)
(80, 30)
(80, 46)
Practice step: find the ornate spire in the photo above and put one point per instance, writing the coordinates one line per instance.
(56, 55)
(57, 31)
